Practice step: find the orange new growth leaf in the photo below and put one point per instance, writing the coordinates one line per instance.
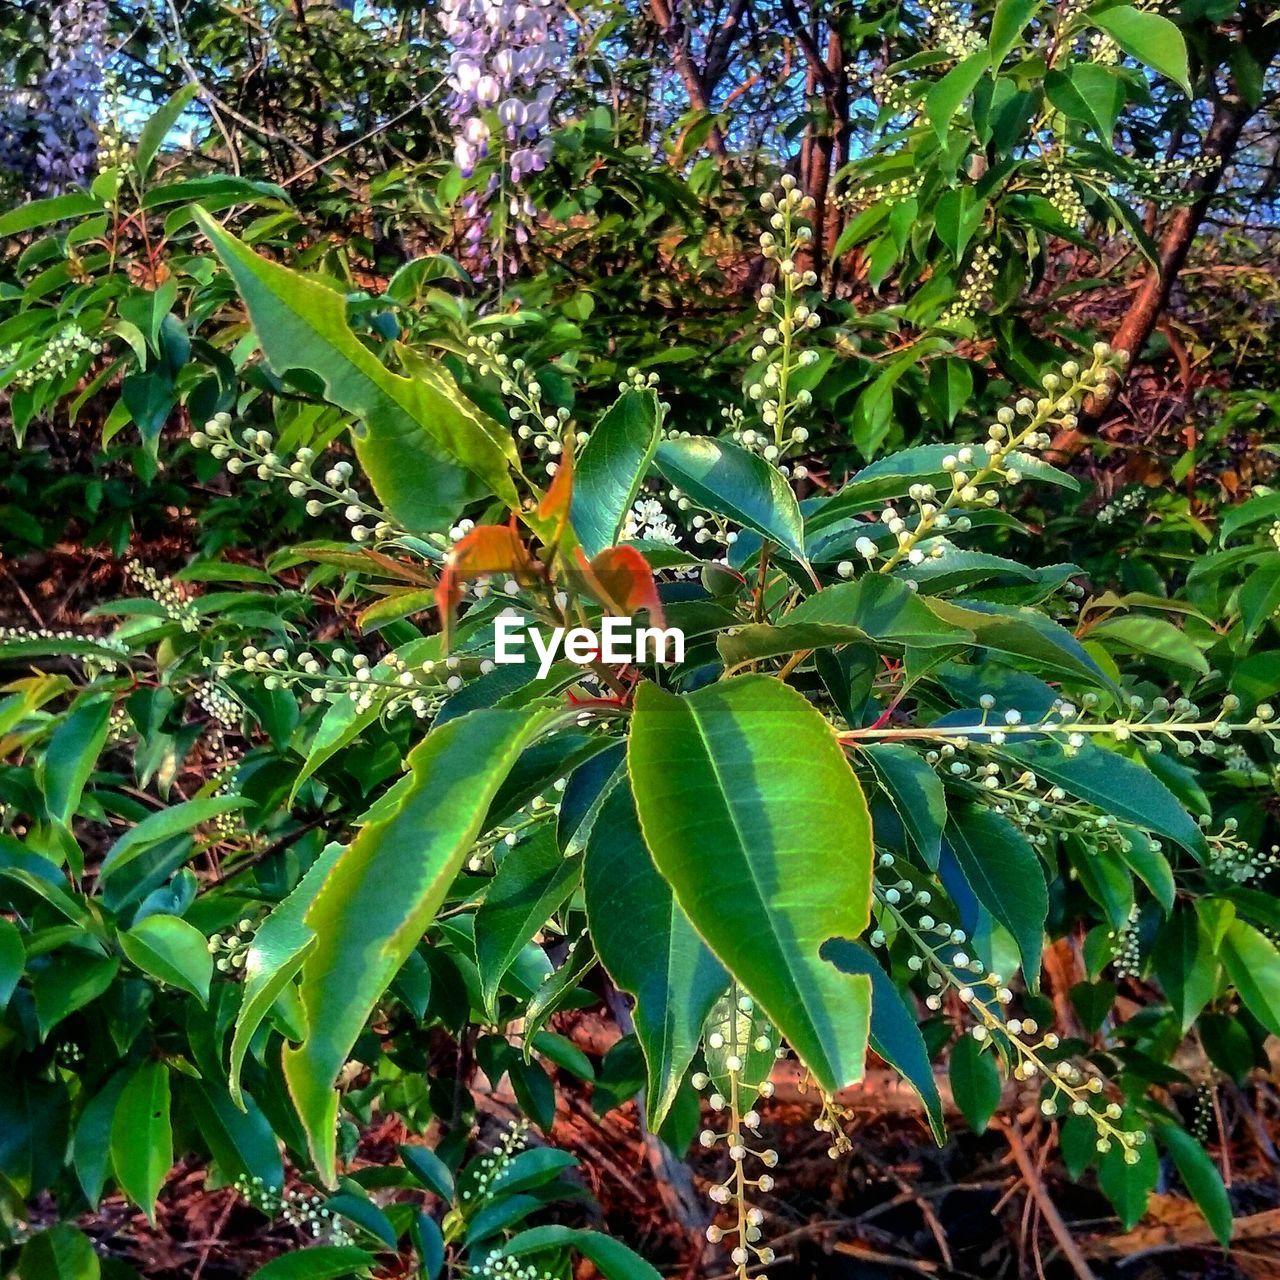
(487, 549)
(621, 580)
(554, 507)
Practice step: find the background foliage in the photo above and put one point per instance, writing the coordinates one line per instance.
(915, 359)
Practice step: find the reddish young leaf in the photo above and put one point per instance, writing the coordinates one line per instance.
(621, 580)
(487, 549)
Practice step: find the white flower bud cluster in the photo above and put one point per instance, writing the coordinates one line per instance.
(506, 1267)
(119, 726)
(950, 29)
(392, 684)
(514, 1140)
(537, 426)
(254, 450)
(785, 318)
(1149, 725)
(1203, 1116)
(1126, 947)
(506, 835)
(305, 1212)
(1121, 505)
(1233, 858)
(91, 663)
(163, 591)
(648, 521)
(1060, 190)
(892, 193)
(977, 472)
(231, 948)
(708, 527)
(908, 912)
(975, 288)
(57, 355)
(222, 708)
(739, 1048)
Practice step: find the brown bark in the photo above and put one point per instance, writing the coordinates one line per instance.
(1232, 111)
(699, 98)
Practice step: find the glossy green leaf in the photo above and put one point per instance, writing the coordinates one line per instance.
(13, 960)
(614, 1260)
(873, 607)
(1260, 598)
(1253, 965)
(162, 825)
(1200, 1176)
(70, 980)
(1153, 637)
(1026, 634)
(280, 944)
(1005, 875)
(1186, 965)
(1008, 24)
(893, 476)
(895, 1029)
(975, 1082)
(384, 891)
(649, 948)
(429, 1169)
(427, 451)
(142, 1136)
(1126, 1185)
(753, 816)
(72, 755)
(728, 480)
(40, 213)
(1151, 39)
(1116, 785)
(91, 1145)
(324, 1262)
(242, 1141)
(60, 1253)
(158, 126)
(170, 949)
(532, 882)
(1088, 93)
(949, 94)
(916, 793)
(612, 466)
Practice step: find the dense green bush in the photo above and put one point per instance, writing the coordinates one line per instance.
(283, 845)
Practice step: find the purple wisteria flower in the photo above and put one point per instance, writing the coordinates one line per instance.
(48, 133)
(505, 56)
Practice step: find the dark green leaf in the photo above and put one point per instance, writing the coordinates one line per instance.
(142, 1136)
(608, 474)
(649, 947)
(1006, 877)
(975, 1082)
(730, 481)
